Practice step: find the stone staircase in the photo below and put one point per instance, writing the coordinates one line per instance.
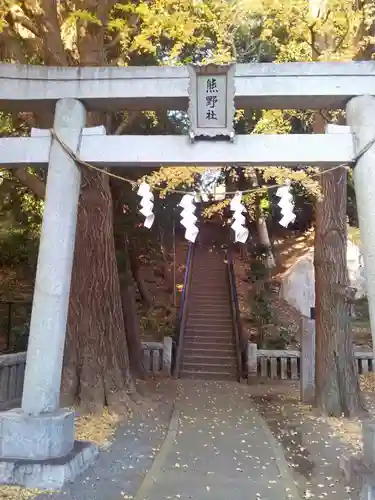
(209, 350)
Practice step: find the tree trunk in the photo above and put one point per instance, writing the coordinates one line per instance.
(128, 300)
(262, 229)
(96, 368)
(337, 387)
(146, 296)
(167, 272)
(133, 333)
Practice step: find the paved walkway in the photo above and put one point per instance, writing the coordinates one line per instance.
(120, 469)
(218, 447)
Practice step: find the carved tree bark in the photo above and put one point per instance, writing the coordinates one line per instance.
(337, 386)
(336, 377)
(96, 365)
(128, 298)
(96, 370)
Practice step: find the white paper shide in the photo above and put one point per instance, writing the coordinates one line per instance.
(147, 204)
(241, 233)
(286, 204)
(188, 218)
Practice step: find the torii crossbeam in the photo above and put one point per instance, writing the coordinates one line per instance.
(41, 431)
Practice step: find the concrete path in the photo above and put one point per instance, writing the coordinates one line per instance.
(121, 468)
(218, 447)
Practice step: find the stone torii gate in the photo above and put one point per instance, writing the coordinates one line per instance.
(37, 445)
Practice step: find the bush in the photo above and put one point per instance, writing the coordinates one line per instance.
(159, 323)
(18, 249)
(20, 338)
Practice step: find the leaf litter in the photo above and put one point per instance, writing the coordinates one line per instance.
(96, 428)
(313, 444)
(99, 429)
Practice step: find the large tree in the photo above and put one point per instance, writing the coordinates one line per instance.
(327, 30)
(337, 385)
(99, 33)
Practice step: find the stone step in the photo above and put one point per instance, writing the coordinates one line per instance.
(202, 375)
(221, 289)
(202, 284)
(221, 293)
(208, 302)
(206, 333)
(204, 302)
(206, 360)
(220, 285)
(223, 312)
(209, 352)
(212, 276)
(203, 287)
(209, 333)
(209, 270)
(229, 366)
(205, 264)
(198, 323)
(207, 326)
(220, 313)
(212, 319)
(216, 343)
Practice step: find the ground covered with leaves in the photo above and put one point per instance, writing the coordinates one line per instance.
(128, 447)
(313, 444)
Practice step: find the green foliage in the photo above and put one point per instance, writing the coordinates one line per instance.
(158, 324)
(20, 337)
(18, 250)
(260, 307)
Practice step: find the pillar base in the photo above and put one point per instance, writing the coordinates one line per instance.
(42, 437)
(368, 435)
(360, 471)
(52, 473)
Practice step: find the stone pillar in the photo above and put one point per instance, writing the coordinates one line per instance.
(40, 431)
(41, 392)
(307, 367)
(167, 355)
(360, 114)
(252, 360)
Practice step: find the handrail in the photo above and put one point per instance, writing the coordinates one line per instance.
(182, 315)
(237, 325)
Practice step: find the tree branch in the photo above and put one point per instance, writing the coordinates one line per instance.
(26, 23)
(312, 44)
(125, 124)
(30, 181)
(343, 37)
(108, 46)
(53, 43)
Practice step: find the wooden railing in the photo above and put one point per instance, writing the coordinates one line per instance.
(156, 361)
(179, 339)
(14, 318)
(241, 351)
(285, 364)
(12, 373)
